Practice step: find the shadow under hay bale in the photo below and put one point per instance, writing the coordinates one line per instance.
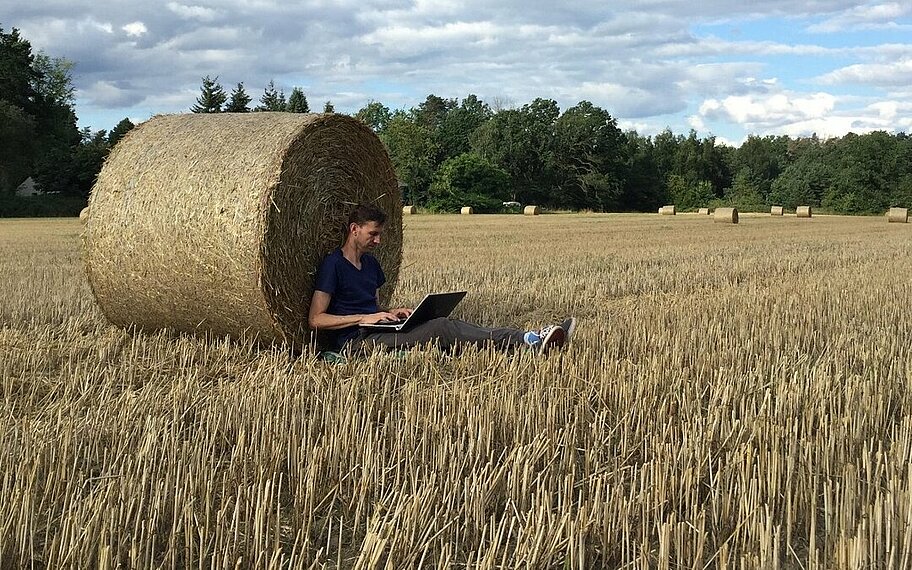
(667, 210)
(217, 222)
(777, 211)
(898, 216)
(531, 210)
(803, 212)
(467, 210)
(725, 215)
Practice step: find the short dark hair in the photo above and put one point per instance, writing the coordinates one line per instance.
(364, 213)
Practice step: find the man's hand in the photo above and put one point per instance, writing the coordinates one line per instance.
(402, 312)
(377, 317)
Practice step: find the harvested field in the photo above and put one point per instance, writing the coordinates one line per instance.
(732, 399)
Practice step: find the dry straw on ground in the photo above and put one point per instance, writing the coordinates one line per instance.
(532, 210)
(776, 211)
(726, 215)
(803, 211)
(217, 222)
(409, 210)
(898, 215)
(466, 210)
(703, 211)
(667, 210)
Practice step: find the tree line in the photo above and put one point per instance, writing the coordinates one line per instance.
(449, 153)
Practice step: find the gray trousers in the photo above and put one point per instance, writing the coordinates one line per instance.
(443, 332)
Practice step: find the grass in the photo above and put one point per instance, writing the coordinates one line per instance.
(736, 397)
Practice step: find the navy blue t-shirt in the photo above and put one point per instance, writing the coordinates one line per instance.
(353, 291)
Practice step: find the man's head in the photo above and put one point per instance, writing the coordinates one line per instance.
(365, 224)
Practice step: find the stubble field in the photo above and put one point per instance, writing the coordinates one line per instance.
(736, 397)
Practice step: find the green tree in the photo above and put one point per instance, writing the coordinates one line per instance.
(468, 180)
(644, 188)
(375, 115)
(686, 194)
(270, 100)
(589, 155)
(18, 77)
(17, 139)
(297, 101)
(212, 97)
(119, 131)
(458, 124)
(328, 107)
(412, 149)
(239, 101)
(520, 141)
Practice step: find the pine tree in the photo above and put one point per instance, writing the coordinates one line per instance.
(297, 101)
(270, 100)
(239, 100)
(211, 98)
(328, 107)
(283, 105)
(118, 132)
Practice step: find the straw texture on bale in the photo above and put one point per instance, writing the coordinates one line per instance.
(703, 211)
(898, 215)
(409, 210)
(803, 211)
(667, 210)
(777, 211)
(466, 210)
(726, 215)
(532, 210)
(218, 222)
(84, 214)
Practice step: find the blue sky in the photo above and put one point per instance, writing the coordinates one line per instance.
(723, 67)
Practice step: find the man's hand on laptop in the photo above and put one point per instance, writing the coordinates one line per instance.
(402, 312)
(380, 317)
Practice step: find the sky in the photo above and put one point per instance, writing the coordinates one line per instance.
(725, 68)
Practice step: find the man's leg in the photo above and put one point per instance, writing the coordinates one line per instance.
(443, 332)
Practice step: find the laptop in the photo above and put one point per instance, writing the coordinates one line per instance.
(433, 306)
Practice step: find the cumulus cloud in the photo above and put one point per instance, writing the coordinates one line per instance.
(893, 74)
(200, 13)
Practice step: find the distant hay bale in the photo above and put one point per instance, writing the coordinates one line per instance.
(532, 210)
(726, 215)
(803, 211)
(84, 214)
(217, 222)
(703, 211)
(409, 210)
(777, 211)
(898, 215)
(466, 210)
(667, 210)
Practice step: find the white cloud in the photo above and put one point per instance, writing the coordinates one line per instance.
(867, 16)
(135, 29)
(894, 74)
(200, 13)
(769, 110)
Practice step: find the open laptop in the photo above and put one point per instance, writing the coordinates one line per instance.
(433, 306)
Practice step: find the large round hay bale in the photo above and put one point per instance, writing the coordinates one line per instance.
(84, 214)
(218, 222)
(466, 210)
(667, 210)
(409, 210)
(726, 215)
(803, 211)
(777, 211)
(898, 215)
(703, 211)
(532, 210)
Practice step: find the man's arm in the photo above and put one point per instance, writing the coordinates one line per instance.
(320, 319)
(401, 312)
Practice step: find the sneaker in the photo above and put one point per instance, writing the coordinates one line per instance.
(569, 326)
(550, 337)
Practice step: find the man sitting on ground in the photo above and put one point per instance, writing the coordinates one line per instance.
(346, 294)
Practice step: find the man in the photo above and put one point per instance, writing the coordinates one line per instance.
(346, 294)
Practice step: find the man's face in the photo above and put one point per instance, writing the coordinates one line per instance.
(367, 235)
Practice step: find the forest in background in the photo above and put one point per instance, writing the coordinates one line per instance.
(450, 152)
